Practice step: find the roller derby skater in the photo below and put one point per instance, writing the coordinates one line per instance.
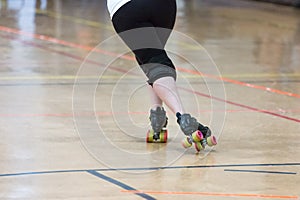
(141, 23)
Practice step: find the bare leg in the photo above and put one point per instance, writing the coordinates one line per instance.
(165, 88)
(155, 100)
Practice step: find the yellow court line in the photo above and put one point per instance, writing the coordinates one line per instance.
(74, 19)
(187, 46)
(224, 79)
(65, 77)
(249, 75)
(71, 77)
(101, 25)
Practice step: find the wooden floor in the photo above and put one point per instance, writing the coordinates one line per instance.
(74, 104)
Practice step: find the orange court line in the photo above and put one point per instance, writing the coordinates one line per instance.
(88, 48)
(62, 42)
(211, 194)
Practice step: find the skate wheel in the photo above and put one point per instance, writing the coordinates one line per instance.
(163, 136)
(211, 141)
(149, 138)
(197, 136)
(198, 146)
(186, 143)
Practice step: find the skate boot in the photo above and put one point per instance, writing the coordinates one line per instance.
(158, 131)
(196, 133)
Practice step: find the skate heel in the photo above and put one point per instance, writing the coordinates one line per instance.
(158, 133)
(195, 133)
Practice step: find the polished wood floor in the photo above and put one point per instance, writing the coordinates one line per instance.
(74, 104)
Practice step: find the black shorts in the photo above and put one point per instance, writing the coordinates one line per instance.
(145, 26)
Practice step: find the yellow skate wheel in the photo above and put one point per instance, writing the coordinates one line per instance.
(163, 136)
(149, 138)
(211, 141)
(186, 143)
(197, 136)
(198, 146)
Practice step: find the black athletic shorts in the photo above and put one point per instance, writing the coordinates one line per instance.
(145, 26)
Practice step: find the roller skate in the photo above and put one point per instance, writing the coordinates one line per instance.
(158, 132)
(196, 133)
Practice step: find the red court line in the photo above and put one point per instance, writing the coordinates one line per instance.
(88, 48)
(211, 194)
(241, 105)
(236, 82)
(107, 113)
(198, 93)
(62, 42)
(68, 55)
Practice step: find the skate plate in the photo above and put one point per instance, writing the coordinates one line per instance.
(161, 137)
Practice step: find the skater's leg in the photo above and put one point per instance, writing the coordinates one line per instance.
(154, 98)
(165, 88)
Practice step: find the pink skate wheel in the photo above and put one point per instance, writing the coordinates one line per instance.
(186, 143)
(197, 136)
(198, 146)
(211, 141)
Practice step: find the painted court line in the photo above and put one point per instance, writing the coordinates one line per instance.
(236, 82)
(74, 19)
(132, 77)
(64, 53)
(152, 168)
(259, 171)
(62, 42)
(97, 24)
(212, 194)
(242, 105)
(146, 193)
(120, 184)
(90, 171)
(88, 48)
(198, 93)
(41, 173)
(68, 77)
(108, 113)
